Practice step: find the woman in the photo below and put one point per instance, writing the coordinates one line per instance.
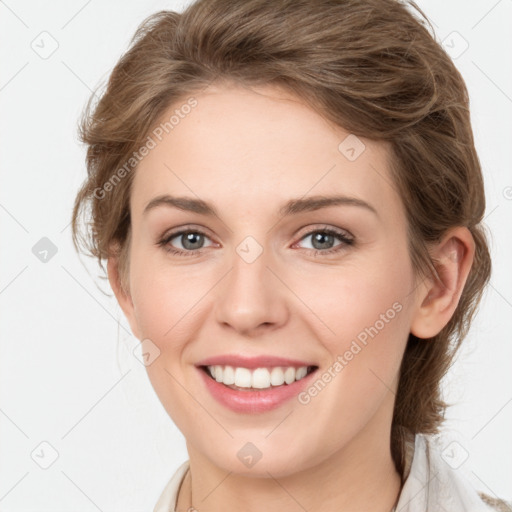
(289, 201)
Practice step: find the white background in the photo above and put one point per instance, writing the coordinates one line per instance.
(68, 375)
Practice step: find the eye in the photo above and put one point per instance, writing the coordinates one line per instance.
(191, 241)
(322, 240)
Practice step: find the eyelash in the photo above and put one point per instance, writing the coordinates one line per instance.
(346, 241)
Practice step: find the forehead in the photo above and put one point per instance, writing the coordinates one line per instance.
(258, 146)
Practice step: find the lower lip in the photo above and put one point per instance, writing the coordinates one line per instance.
(254, 401)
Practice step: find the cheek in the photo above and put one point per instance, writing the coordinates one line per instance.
(367, 308)
(167, 300)
(351, 301)
(367, 311)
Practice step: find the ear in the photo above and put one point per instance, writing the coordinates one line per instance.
(438, 298)
(123, 296)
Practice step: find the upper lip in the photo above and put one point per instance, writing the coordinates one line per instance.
(264, 361)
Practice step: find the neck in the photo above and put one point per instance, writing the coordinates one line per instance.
(360, 476)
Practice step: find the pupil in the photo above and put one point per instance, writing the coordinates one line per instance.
(189, 238)
(322, 237)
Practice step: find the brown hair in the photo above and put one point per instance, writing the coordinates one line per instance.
(371, 67)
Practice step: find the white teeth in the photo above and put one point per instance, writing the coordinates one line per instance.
(259, 378)
(276, 376)
(301, 373)
(229, 375)
(243, 378)
(289, 375)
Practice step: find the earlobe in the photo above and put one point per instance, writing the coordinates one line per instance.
(123, 296)
(438, 297)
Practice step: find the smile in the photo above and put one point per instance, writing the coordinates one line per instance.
(259, 378)
(254, 385)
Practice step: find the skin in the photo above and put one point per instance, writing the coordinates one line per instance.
(247, 151)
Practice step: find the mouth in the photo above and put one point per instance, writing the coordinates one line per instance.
(251, 384)
(257, 379)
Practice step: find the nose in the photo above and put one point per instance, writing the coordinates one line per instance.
(251, 299)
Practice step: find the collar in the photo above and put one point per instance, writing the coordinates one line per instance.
(430, 483)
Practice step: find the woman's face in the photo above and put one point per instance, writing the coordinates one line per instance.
(262, 284)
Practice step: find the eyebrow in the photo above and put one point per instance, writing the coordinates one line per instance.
(291, 207)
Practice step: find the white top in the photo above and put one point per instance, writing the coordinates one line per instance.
(431, 484)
